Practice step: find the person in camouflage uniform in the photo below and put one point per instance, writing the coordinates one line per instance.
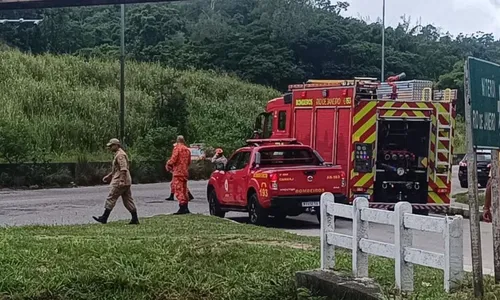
(120, 181)
(172, 191)
(179, 165)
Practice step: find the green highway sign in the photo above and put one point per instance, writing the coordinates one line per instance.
(483, 91)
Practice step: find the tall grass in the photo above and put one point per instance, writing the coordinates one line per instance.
(69, 105)
(459, 141)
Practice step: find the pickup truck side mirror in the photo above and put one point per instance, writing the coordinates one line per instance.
(220, 167)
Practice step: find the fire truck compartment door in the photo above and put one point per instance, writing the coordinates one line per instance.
(303, 125)
(326, 119)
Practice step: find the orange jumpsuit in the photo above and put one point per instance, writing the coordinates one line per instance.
(179, 162)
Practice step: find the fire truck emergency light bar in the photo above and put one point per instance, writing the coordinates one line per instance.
(30, 4)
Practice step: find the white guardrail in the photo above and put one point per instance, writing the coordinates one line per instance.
(405, 256)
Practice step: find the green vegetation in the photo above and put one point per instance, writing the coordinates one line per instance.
(274, 42)
(459, 142)
(169, 257)
(463, 198)
(66, 107)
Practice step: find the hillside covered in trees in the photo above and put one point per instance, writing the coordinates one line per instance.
(271, 42)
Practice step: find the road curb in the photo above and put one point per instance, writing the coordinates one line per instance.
(487, 272)
(462, 210)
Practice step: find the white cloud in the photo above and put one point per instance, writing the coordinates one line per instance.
(455, 16)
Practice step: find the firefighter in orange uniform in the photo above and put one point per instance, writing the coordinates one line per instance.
(179, 164)
(172, 190)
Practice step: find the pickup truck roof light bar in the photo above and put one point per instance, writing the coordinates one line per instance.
(284, 141)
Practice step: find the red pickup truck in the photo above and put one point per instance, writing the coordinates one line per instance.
(277, 180)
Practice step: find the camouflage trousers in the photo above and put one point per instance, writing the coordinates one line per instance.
(117, 192)
(172, 187)
(179, 185)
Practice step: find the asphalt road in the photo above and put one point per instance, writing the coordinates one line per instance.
(77, 205)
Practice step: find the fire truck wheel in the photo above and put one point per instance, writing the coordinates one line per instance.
(214, 205)
(256, 213)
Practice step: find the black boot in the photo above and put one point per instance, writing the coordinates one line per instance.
(190, 196)
(135, 219)
(183, 210)
(104, 218)
(171, 198)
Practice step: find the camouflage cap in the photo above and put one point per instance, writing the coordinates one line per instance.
(113, 142)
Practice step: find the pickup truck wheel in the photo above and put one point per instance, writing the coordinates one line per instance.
(256, 213)
(214, 205)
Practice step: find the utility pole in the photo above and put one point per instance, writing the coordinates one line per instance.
(495, 213)
(383, 43)
(122, 75)
(475, 229)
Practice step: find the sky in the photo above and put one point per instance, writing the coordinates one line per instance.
(455, 16)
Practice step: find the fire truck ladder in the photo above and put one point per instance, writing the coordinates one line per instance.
(444, 132)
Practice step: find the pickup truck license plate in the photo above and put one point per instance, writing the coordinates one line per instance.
(310, 204)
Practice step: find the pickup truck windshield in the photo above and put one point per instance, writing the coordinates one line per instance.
(287, 157)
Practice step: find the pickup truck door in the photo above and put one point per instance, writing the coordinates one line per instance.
(228, 196)
(238, 179)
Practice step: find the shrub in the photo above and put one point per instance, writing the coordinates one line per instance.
(68, 105)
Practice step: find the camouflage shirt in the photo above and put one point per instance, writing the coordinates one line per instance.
(180, 161)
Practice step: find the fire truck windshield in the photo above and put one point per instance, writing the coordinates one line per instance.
(264, 125)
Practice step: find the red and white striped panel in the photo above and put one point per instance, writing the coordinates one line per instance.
(432, 208)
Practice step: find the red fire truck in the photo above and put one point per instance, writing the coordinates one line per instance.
(393, 139)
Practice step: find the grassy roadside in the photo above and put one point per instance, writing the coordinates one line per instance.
(169, 257)
(463, 198)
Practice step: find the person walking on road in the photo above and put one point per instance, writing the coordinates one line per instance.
(178, 164)
(120, 181)
(172, 190)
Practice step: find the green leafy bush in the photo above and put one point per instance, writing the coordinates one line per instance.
(66, 105)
